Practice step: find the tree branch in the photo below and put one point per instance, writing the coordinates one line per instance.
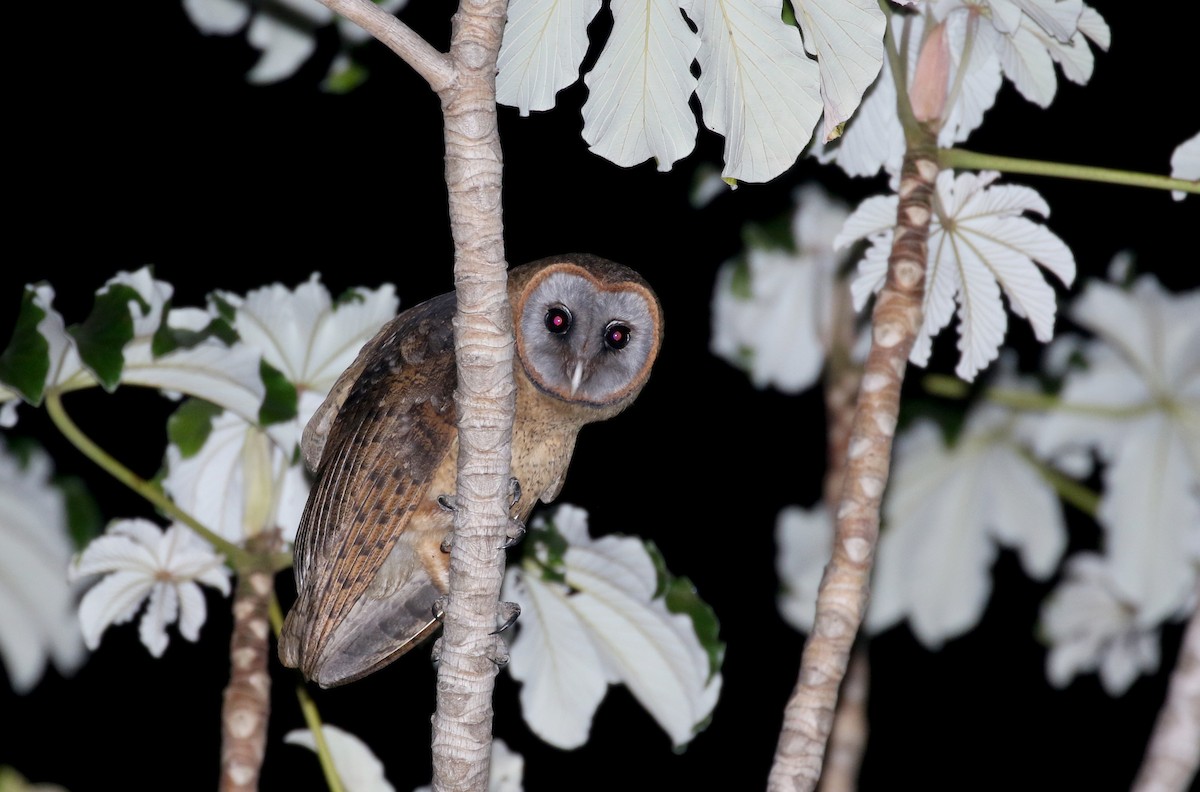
(842, 598)
(247, 703)
(470, 653)
(436, 67)
(1173, 755)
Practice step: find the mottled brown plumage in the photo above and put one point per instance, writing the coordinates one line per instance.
(369, 562)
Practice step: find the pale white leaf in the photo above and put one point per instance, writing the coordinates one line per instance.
(239, 483)
(1185, 163)
(846, 36)
(604, 625)
(946, 511)
(544, 44)
(139, 561)
(38, 620)
(161, 610)
(1151, 510)
(757, 86)
(804, 545)
(1091, 628)
(284, 47)
(872, 139)
(218, 17)
(637, 105)
(1027, 63)
(655, 652)
(1059, 18)
(978, 75)
(552, 655)
(357, 766)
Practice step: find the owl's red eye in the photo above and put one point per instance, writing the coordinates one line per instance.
(558, 320)
(616, 335)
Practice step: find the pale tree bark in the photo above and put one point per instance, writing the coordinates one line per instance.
(842, 597)
(247, 702)
(1173, 754)
(469, 652)
(843, 377)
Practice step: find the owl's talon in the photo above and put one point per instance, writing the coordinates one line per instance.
(506, 615)
(439, 608)
(514, 492)
(447, 542)
(499, 654)
(517, 529)
(447, 502)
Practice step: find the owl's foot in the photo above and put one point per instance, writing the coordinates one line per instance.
(447, 542)
(506, 615)
(516, 526)
(516, 530)
(499, 654)
(439, 608)
(447, 502)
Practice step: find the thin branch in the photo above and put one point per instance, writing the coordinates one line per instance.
(235, 556)
(436, 67)
(1173, 756)
(972, 160)
(247, 701)
(842, 598)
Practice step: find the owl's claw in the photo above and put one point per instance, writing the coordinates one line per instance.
(499, 654)
(447, 542)
(514, 492)
(439, 608)
(447, 502)
(506, 615)
(517, 530)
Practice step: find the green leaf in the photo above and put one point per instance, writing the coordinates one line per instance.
(25, 363)
(281, 402)
(84, 518)
(681, 597)
(740, 282)
(345, 80)
(775, 234)
(545, 535)
(101, 339)
(190, 425)
(168, 339)
(224, 309)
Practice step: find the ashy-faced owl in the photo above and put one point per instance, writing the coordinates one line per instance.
(371, 551)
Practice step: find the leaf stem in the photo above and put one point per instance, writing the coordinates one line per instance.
(1078, 495)
(309, 709)
(1030, 401)
(234, 555)
(973, 160)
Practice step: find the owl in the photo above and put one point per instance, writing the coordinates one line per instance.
(372, 549)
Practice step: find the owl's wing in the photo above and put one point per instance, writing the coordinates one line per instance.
(390, 427)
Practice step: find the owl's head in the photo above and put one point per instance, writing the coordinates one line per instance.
(587, 329)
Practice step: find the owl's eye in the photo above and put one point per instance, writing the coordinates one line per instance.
(558, 320)
(616, 335)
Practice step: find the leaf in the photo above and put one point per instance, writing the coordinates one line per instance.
(168, 338)
(357, 766)
(544, 44)
(280, 402)
(102, 337)
(637, 105)
(846, 36)
(757, 86)
(190, 425)
(979, 247)
(25, 362)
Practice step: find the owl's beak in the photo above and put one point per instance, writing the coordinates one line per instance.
(576, 376)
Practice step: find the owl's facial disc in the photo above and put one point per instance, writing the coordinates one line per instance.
(585, 341)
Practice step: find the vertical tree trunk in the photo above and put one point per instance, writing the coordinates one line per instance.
(842, 599)
(469, 652)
